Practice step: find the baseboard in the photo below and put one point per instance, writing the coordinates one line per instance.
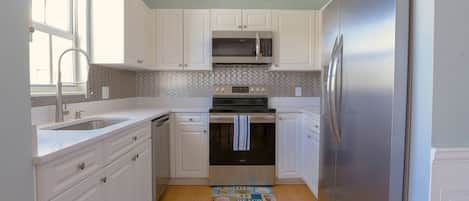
(189, 181)
(282, 181)
(204, 181)
(449, 174)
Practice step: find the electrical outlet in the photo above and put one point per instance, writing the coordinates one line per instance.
(298, 91)
(105, 92)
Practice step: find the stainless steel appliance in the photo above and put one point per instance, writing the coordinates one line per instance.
(160, 155)
(242, 47)
(364, 100)
(255, 166)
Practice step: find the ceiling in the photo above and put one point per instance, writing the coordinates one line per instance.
(247, 4)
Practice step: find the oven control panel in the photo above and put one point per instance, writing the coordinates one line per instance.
(223, 90)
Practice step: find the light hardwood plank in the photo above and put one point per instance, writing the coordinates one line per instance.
(203, 193)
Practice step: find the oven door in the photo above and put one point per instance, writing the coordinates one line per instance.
(262, 140)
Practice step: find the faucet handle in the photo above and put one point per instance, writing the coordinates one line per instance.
(79, 114)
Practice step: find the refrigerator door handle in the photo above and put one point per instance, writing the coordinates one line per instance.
(329, 89)
(336, 90)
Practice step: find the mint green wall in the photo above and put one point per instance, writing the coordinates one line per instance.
(261, 4)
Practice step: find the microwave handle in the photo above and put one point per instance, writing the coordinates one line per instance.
(258, 46)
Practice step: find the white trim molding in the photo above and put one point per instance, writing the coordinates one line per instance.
(450, 174)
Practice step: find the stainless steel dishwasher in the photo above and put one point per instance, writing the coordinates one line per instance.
(160, 155)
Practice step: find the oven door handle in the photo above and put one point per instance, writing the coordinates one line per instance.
(229, 118)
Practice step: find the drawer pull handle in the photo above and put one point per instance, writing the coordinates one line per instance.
(81, 166)
(104, 179)
(205, 131)
(190, 119)
(135, 138)
(316, 126)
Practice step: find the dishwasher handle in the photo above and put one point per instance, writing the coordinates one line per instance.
(161, 120)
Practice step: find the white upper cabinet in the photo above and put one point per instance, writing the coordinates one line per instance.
(296, 40)
(197, 40)
(169, 43)
(227, 20)
(117, 33)
(150, 39)
(241, 20)
(257, 20)
(183, 40)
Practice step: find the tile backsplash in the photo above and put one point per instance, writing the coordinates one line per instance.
(200, 84)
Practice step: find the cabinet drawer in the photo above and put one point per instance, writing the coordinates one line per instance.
(184, 118)
(61, 174)
(122, 143)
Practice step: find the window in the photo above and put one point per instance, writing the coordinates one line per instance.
(57, 25)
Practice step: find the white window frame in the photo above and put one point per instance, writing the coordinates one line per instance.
(74, 88)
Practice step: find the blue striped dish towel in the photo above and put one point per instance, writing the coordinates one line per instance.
(242, 133)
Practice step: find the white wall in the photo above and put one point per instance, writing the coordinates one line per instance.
(451, 74)
(421, 63)
(16, 179)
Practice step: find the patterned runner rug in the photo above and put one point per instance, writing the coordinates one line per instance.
(242, 193)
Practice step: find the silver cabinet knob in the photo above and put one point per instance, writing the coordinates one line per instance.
(185, 65)
(276, 65)
(205, 131)
(135, 157)
(104, 179)
(316, 126)
(82, 166)
(240, 27)
(245, 26)
(190, 119)
(135, 138)
(140, 61)
(180, 65)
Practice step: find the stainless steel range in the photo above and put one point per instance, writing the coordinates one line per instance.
(242, 137)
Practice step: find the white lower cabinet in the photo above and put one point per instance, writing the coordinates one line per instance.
(310, 156)
(190, 145)
(88, 175)
(289, 145)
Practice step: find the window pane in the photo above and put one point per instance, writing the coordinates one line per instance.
(39, 61)
(58, 14)
(59, 45)
(38, 10)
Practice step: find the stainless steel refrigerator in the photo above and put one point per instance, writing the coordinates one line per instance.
(363, 117)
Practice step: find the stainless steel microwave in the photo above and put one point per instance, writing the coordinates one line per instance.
(242, 47)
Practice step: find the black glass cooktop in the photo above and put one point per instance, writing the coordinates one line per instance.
(241, 105)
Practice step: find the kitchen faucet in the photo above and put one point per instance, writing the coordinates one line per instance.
(59, 107)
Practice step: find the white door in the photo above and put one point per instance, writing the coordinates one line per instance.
(88, 190)
(191, 154)
(134, 32)
(143, 173)
(257, 20)
(314, 180)
(120, 179)
(226, 20)
(150, 38)
(197, 40)
(169, 34)
(296, 38)
(289, 146)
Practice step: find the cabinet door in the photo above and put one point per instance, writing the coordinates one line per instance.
(169, 28)
(296, 36)
(134, 32)
(257, 20)
(197, 40)
(150, 38)
(226, 20)
(314, 180)
(191, 146)
(143, 174)
(289, 146)
(88, 190)
(120, 178)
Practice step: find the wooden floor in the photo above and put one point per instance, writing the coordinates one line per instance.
(203, 193)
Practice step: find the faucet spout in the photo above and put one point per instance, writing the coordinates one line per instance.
(59, 108)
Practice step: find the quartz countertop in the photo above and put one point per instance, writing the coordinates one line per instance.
(52, 143)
